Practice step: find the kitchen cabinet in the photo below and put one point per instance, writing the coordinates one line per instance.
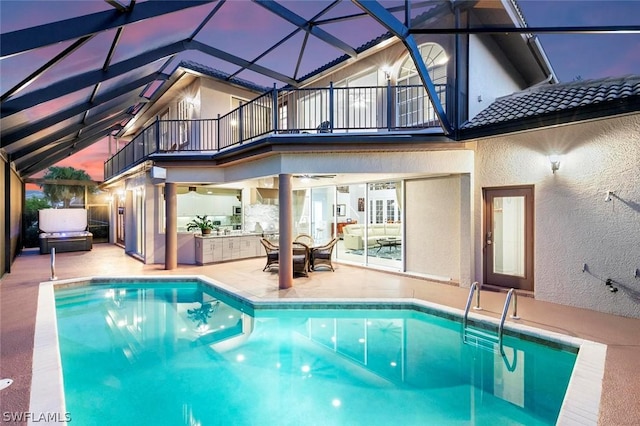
(223, 248)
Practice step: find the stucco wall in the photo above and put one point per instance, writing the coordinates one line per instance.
(491, 75)
(573, 223)
(433, 227)
(215, 97)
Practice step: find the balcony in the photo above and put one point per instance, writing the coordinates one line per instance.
(286, 111)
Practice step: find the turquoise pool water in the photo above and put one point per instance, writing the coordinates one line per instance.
(185, 354)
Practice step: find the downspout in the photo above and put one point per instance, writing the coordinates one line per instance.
(536, 48)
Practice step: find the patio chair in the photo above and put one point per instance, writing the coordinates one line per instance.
(305, 239)
(324, 127)
(272, 253)
(300, 259)
(321, 256)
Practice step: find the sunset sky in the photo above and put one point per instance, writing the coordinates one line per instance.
(586, 56)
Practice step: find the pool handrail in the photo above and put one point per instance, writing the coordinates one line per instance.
(503, 317)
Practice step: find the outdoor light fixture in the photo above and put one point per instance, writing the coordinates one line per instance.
(387, 71)
(555, 159)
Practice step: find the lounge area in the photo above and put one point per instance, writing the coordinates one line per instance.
(377, 235)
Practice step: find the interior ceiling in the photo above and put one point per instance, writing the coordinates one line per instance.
(74, 75)
(320, 180)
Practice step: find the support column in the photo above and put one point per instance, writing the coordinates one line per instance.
(171, 231)
(285, 229)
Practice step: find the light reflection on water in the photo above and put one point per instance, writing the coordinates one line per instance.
(159, 355)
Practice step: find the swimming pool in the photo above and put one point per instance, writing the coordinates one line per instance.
(206, 356)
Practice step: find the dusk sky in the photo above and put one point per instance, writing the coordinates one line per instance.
(586, 56)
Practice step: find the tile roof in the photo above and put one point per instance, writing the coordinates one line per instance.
(212, 72)
(345, 57)
(553, 100)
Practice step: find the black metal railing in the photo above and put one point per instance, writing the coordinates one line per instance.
(309, 111)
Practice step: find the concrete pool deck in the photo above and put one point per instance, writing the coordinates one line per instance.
(619, 404)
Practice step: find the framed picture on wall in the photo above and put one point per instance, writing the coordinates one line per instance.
(341, 210)
(360, 204)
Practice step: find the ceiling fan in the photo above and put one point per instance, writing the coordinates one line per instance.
(307, 177)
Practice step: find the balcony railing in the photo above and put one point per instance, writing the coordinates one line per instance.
(308, 111)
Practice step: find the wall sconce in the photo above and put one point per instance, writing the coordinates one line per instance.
(387, 71)
(190, 101)
(555, 160)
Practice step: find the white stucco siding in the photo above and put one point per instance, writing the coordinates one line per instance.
(490, 75)
(433, 227)
(215, 98)
(573, 223)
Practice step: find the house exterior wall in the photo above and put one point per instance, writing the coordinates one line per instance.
(432, 235)
(215, 97)
(491, 74)
(574, 225)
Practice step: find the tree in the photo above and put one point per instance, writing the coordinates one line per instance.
(31, 208)
(65, 191)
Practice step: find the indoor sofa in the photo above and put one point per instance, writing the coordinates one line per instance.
(353, 235)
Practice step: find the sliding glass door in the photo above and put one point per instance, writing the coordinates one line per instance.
(368, 223)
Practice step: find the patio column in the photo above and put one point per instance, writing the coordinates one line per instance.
(285, 229)
(171, 231)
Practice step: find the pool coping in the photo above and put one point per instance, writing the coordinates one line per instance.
(580, 406)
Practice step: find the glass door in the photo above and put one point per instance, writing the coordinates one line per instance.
(508, 247)
(383, 236)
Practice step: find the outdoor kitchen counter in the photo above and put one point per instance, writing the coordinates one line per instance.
(220, 248)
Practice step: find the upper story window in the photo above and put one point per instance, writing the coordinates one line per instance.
(414, 106)
(356, 102)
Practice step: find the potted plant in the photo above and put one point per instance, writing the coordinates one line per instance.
(202, 223)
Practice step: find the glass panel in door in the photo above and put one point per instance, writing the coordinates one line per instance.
(383, 239)
(509, 237)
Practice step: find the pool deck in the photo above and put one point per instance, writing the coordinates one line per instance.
(619, 404)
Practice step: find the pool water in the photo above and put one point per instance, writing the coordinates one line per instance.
(180, 354)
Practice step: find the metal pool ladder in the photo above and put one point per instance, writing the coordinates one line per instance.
(483, 338)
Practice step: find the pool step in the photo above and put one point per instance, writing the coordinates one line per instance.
(480, 338)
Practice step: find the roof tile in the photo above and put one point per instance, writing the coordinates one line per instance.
(540, 100)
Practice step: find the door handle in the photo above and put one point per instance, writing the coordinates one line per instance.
(489, 241)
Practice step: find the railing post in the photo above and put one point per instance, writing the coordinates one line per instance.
(157, 137)
(389, 103)
(218, 133)
(276, 113)
(331, 106)
(240, 125)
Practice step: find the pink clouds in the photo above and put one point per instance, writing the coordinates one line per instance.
(90, 159)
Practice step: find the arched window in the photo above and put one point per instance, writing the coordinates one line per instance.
(414, 106)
